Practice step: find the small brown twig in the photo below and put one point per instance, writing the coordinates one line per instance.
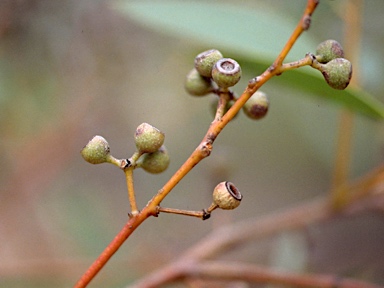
(202, 151)
(131, 191)
(296, 218)
(202, 214)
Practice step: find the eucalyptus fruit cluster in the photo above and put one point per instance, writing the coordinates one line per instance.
(337, 70)
(212, 73)
(150, 155)
(211, 69)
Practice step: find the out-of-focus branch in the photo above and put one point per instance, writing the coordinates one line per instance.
(235, 271)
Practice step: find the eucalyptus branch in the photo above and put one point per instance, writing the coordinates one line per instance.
(149, 140)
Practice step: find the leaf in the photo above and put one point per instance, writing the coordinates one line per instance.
(256, 36)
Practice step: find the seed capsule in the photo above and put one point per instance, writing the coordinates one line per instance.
(205, 61)
(337, 73)
(148, 139)
(156, 162)
(257, 106)
(96, 151)
(226, 196)
(226, 72)
(329, 50)
(197, 85)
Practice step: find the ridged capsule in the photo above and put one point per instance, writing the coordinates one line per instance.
(257, 106)
(329, 50)
(148, 139)
(197, 85)
(205, 61)
(226, 72)
(337, 73)
(155, 162)
(226, 196)
(97, 150)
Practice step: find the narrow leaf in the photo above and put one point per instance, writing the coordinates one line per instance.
(255, 36)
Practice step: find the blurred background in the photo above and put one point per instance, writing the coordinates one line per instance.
(70, 70)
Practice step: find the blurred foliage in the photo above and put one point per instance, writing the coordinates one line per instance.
(73, 69)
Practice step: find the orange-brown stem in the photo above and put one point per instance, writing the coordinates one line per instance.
(131, 191)
(111, 249)
(199, 214)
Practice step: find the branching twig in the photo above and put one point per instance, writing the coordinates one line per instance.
(201, 152)
(235, 235)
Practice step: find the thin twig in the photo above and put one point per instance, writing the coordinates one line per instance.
(199, 214)
(131, 191)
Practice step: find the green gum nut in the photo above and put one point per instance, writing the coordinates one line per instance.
(205, 61)
(337, 73)
(329, 50)
(257, 106)
(148, 139)
(226, 72)
(197, 85)
(155, 162)
(226, 196)
(97, 151)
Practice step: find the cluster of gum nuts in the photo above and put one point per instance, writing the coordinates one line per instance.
(153, 157)
(212, 73)
(337, 70)
(151, 154)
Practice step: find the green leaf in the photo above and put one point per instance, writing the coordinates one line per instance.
(255, 36)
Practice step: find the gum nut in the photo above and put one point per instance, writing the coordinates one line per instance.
(96, 151)
(226, 73)
(148, 139)
(257, 106)
(337, 73)
(205, 61)
(197, 85)
(329, 50)
(156, 162)
(226, 196)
